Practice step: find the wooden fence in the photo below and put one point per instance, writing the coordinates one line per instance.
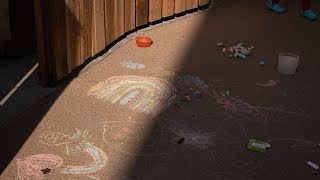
(71, 31)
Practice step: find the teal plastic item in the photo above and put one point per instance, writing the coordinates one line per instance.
(275, 7)
(309, 14)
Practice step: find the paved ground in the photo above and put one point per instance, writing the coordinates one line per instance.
(112, 122)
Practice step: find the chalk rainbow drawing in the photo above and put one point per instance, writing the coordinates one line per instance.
(31, 166)
(141, 94)
(99, 161)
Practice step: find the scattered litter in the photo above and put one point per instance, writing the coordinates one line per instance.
(46, 170)
(191, 80)
(198, 94)
(314, 166)
(220, 44)
(132, 65)
(228, 93)
(224, 50)
(258, 145)
(271, 83)
(262, 63)
(192, 138)
(181, 141)
(188, 98)
(238, 50)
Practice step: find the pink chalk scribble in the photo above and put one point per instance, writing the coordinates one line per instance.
(125, 129)
(31, 166)
(233, 104)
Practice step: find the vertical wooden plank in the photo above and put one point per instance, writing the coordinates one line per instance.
(41, 42)
(203, 2)
(86, 29)
(56, 32)
(73, 29)
(180, 6)
(142, 10)
(99, 38)
(114, 19)
(155, 8)
(4, 21)
(130, 15)
(167, 8)
(119, 17)
(192, 4)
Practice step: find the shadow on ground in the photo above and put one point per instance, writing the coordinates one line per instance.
(206, 138)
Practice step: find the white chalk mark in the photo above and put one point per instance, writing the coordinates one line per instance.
(129, 97)
(93, 177)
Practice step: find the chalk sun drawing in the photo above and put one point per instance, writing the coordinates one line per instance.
(99, 161)
(141, 94)
(31, 166)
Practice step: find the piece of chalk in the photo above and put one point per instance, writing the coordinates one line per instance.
(242, 56)
(224, 50)
(312, 165)
(220, 44)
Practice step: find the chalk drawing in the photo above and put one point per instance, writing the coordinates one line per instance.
(271, 83)
(127, 137)
(191, 80)
(141, 94)
(132, 64)
(195, 139)
(234, 104)
(99, 161)
(72, 144)
(31, 166)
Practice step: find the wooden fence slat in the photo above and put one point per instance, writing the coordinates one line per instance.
(142, 10)
(56, 31)
(155, 8)
(203, 2)
(130, 15)
(167, 8)
(119, 17)
(86, 29)
(180, 6)
(192, 4)
(4, 21)
(41, 42)
(114, 17)
(99, 38)
(73, 27)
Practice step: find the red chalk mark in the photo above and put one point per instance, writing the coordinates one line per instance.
(31, 166)
(126, 130)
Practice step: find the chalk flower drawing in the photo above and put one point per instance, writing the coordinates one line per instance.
(141, 94)
(31, 166)
(73, 144)
(99, 161)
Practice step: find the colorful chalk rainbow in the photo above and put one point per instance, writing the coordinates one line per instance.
(141, 94)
